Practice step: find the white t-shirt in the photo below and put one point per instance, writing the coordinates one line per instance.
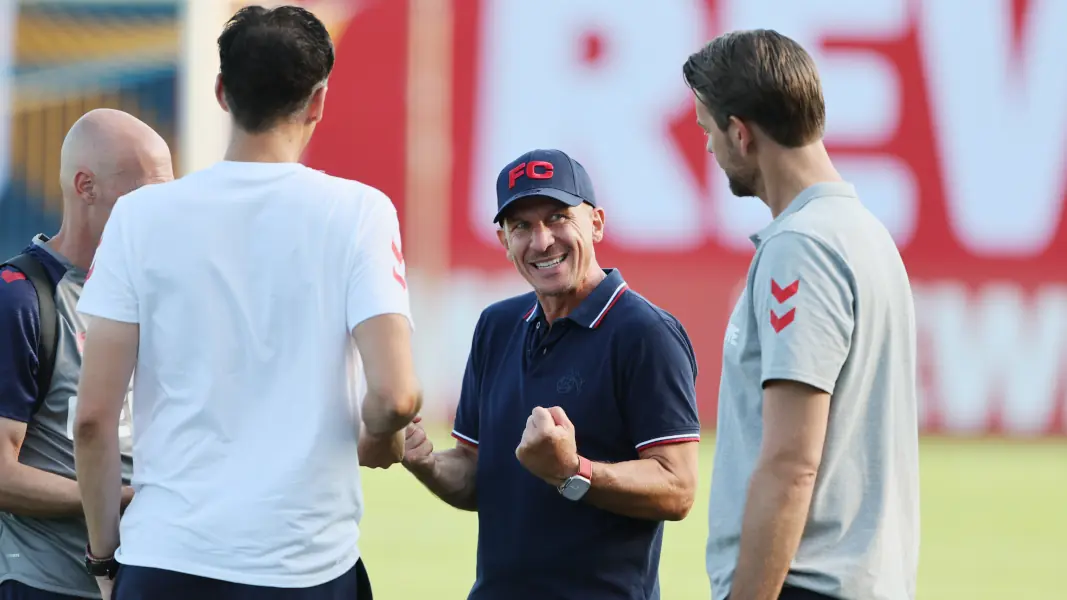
(247, 280)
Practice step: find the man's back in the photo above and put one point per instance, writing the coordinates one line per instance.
(861, 537)
(247, 279)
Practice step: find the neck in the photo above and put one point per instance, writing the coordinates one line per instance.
(788, 171)
(282, 144)
(559, 306)
(75, 243)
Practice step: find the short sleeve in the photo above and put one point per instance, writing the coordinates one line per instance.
(20, 326)
(465, 428)
(659, 404)
(109, 291)
(803, 302)
(377, 278)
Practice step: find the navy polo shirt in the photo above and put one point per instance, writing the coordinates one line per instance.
(624, 371)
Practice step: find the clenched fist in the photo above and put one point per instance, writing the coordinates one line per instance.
(380, 451)
(418, 449)
(548, 448)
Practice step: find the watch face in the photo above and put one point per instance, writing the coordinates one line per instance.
(575, 488)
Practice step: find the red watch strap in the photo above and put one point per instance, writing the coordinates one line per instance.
(585, 467)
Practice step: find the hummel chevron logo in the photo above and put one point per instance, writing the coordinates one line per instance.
(397, 275)
(782, 294)
(780, 323)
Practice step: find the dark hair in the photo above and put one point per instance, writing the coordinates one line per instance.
(271, 61)
(762, 77)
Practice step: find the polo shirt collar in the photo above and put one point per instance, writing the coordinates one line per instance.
(591, 312)
(818, 190)
(40, 243)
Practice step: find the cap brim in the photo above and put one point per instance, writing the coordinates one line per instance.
(560, 195)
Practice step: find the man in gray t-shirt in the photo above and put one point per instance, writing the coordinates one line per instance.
(814, 491)
(42, 528)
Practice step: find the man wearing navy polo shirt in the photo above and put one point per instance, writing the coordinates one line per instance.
(577, 423)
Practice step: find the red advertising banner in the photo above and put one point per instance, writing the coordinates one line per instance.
(954, 132)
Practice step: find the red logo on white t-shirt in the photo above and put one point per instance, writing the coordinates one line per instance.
(399, 269)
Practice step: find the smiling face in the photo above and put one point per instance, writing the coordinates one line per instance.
(551, 244)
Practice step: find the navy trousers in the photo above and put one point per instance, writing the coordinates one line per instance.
(142, 583)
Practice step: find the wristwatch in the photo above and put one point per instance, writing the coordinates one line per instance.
(100, 567)
(575, 486)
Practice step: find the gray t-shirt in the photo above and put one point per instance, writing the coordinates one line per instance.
(827, 303)
(47, 554)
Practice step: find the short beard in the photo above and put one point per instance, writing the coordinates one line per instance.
(740, 188)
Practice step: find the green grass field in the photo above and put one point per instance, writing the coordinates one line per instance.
(994, 525)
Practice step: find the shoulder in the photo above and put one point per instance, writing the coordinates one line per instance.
(16, 290)
(150, 204)
(797, 243)
(18, 299)
(639, 319)
(830, 225)
(147, 196)
(515, 309)
(350, 192)
(636, 314)
(505, 315)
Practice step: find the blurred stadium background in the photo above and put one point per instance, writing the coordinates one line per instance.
(949, 115)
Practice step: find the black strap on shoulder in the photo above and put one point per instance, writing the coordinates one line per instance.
(49, 317)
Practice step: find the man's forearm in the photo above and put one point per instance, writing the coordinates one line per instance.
(100, 481)
(31, 492)
(775, 513)
(642, 489)
(452, 478)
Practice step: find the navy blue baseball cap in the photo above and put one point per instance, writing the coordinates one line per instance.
(544, 173)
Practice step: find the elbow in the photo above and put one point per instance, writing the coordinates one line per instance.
(402, 407)
(679, 508)
(395, 409)
(87, 427)
(793, 474)
(406, 406)
(681, 502)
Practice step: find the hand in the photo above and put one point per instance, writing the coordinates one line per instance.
(418, 449)
(380, 451)
(106, 587)
(127, 497)
(548, 448)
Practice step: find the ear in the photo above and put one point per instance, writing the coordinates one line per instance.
(220, 93)
(85, 186)
(317, 106)
(502, 236)
(598, 225)
(740, 135)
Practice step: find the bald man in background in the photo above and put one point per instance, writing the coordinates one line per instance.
(106, 154)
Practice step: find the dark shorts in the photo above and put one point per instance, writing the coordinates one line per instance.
(792, 593)
(13, 590)
(143, 583)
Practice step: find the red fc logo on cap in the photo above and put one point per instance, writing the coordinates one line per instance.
(530, 169)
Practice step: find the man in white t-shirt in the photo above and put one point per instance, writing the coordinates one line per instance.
(258, 302)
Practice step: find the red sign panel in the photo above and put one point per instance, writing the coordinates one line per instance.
(964, 165)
